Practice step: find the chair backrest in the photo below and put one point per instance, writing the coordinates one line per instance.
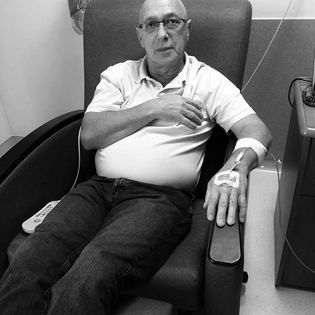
(219, 37)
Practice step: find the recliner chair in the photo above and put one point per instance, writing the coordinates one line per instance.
(205, 272)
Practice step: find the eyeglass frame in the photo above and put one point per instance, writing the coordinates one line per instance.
(162, 21)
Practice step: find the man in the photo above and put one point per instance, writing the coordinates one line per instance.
(149, 121)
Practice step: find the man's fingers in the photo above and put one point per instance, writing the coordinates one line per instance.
(197, 104)
(192, 117)
(232, 206)
(188, 123)
(196, 107)
(211, 200)
(242, 200)
(242, 204)
(223, 205)
(192, 109)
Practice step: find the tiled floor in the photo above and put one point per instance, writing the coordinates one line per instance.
(260, 297)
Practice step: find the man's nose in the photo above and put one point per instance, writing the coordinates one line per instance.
(161, 32)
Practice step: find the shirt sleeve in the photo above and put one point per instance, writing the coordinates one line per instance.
(108, 95)
(226, 105)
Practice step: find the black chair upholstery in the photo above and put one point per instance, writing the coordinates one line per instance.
(204, 273)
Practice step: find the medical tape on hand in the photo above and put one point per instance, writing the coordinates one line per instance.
(255, 145)
(231, 178)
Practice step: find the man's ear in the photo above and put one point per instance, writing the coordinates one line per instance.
(188, 28)
(189, 24)
(139, 36)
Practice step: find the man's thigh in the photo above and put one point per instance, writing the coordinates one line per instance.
(81, 212)
(146, 227)
(141, 230)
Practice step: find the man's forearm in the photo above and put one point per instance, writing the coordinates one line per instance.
(101, 129)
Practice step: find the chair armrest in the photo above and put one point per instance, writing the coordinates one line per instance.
(40, 168)
(224, 269)
(225, 244)
(10, 160)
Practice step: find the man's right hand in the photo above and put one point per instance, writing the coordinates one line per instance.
(177, 109)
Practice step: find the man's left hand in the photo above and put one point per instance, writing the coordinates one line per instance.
(225, 201)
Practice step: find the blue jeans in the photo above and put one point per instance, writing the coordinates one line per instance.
(102, 237)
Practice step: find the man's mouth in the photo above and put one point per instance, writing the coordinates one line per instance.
(164, 48)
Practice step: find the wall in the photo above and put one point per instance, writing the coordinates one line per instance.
(290, 56)
(41, 63)
(5, 131)
(270, 9)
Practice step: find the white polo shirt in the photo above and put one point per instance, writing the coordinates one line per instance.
(165, 154)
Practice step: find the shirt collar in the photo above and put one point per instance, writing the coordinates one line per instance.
(180, 79)
(143, 73)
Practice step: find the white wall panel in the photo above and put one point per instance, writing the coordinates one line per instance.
(275, 9)
(41, 62)
(5, 131)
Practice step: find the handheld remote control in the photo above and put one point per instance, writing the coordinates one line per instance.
(30, 224)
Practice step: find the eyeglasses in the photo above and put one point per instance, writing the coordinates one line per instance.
(170, 24)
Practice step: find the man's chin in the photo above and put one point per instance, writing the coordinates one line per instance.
(168, 57)
(168, 54)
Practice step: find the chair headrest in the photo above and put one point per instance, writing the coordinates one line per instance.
(218, 36)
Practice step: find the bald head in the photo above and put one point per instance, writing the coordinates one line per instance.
(164, 44)
(154, 7)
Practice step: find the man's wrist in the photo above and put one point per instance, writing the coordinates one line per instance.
(242, 168)
(150, 109)
(253, 144)
(248, 162)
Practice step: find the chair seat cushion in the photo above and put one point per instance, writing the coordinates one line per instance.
(180, 280)
(142, 306)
